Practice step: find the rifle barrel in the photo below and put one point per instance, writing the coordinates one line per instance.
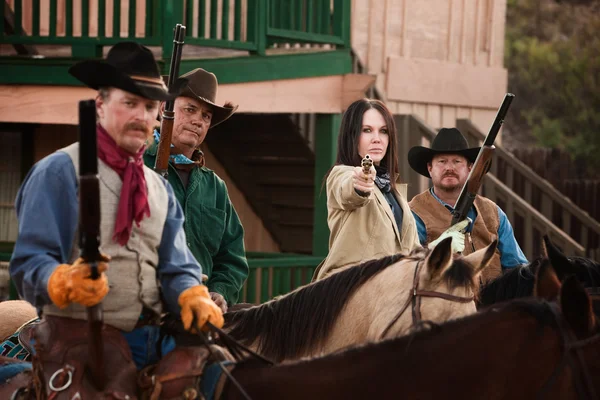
(89, 229)
(481, 166)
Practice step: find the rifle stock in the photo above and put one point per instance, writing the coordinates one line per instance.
(481, 166)
(89, 229)
(161, 165)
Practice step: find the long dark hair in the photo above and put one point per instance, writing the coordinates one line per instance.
(350, 130)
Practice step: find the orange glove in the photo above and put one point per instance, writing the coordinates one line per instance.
(73, 284)
(197, 309)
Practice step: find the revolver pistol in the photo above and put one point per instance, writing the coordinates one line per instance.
(366, 164)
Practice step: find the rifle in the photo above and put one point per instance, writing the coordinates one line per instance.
(161, 165)
(89, 229)
(481, 166)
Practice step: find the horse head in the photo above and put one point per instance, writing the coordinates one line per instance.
(448, 284)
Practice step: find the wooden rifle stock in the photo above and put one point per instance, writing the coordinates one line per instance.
(481, 166)
(161, 165)
(89, 230)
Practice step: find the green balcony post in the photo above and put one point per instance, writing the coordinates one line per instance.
(341, 20)
(132, 19)
(326, 133)
(172, 14)
(225, 21)
(102, 18)
(189, 15)
(52, 20)
(258, 11)
(214, 10)
(35, 18)
(237, 21)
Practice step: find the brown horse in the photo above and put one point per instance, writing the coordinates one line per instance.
(522, 350)
(378, 299)
(519, 282)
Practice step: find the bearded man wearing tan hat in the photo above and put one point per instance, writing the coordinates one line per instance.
(214, 232)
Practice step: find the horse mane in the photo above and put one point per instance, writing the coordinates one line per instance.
(519, 281)
(514, 283)
(539, 309)
(288, 326)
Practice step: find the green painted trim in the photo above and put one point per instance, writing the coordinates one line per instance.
(281, 34)
(284, 262)
(220, 43)
(326, 133)
(275, 67)
(27, 71)
(97, 41)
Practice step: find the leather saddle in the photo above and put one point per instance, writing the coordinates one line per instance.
(60, 363)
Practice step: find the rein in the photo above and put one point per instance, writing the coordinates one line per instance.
(414, 297)
(573, 357)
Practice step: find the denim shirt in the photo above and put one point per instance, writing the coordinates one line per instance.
(511, 254)
(47, 208)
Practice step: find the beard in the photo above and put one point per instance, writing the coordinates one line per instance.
(449, 187)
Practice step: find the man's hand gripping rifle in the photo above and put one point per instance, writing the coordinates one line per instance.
(481, 166)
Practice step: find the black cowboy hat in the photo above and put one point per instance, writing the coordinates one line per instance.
(202, 85)
(128, 66)
(447, 141)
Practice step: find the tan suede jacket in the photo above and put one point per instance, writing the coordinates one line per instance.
(363, 228)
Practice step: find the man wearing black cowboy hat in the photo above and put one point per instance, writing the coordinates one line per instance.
(215, 233)
(447, 163)
(151, 269)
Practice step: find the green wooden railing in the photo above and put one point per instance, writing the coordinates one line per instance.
(271, 274)
(275, 274)
(251, 25)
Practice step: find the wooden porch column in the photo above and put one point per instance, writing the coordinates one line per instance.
(326, 133)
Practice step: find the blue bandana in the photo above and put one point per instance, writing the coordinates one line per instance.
(174, 158)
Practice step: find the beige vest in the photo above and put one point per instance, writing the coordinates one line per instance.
(438, 218)
(132, 270)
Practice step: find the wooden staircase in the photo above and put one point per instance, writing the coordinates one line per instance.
(272, 163)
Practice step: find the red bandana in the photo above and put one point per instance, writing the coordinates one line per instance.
(133, 201)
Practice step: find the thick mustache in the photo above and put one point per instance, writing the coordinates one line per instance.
(137, 126)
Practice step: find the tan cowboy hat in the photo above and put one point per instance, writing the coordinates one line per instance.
(202, 85)
(447, 141)
(128, 66)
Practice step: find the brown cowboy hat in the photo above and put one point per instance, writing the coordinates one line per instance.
(202, 85)
(447, 141)
(128, 66)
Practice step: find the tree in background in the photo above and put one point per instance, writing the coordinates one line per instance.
(553, 59)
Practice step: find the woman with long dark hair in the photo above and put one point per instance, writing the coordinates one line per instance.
(368, 214)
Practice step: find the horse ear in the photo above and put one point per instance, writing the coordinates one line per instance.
(560, 262)
(440, 258)
(547, 285)
(481, 258)
(577, 307)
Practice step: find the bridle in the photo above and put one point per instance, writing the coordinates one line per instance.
(573, 357)
(414, 297)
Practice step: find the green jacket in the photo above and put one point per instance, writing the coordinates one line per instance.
(213, 229)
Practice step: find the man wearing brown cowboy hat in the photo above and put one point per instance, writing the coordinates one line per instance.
(448, 163)
(151, 269)
(214, 232)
